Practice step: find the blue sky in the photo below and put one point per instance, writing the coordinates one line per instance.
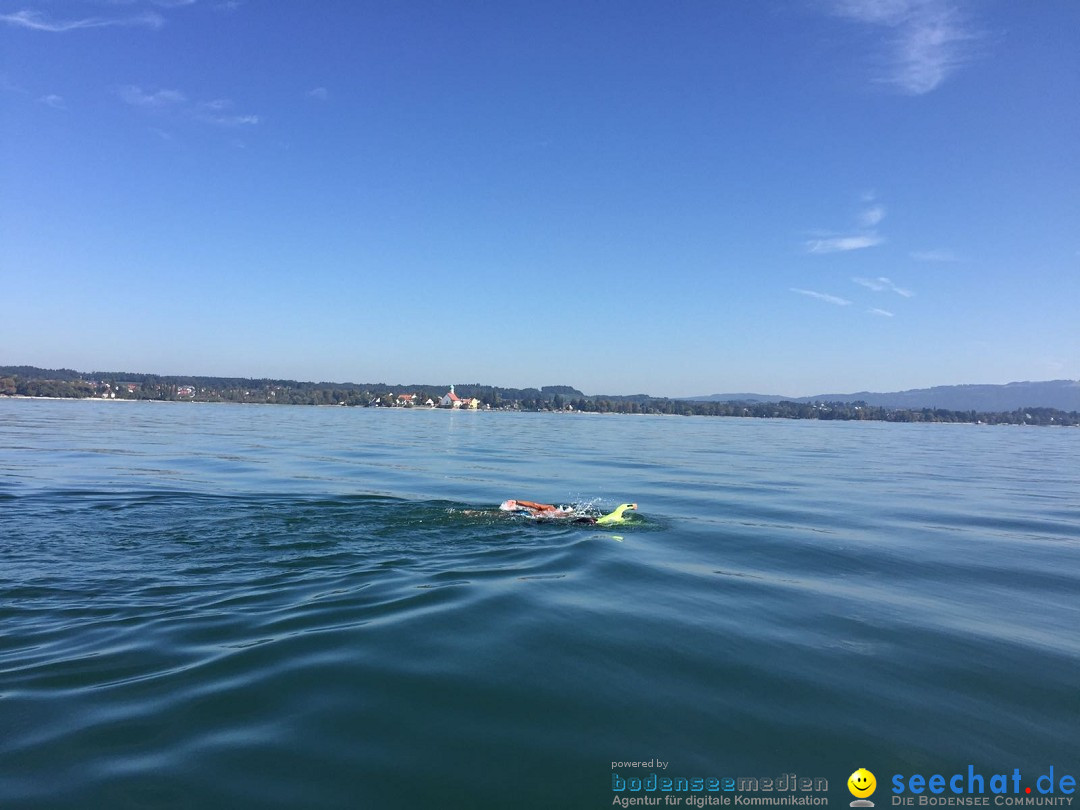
(674, 198)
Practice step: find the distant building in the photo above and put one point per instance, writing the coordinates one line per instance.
(185, 391)
(406, 400)
(452, 400)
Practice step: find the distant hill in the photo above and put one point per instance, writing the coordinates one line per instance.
(743, 398)
(1061, 394)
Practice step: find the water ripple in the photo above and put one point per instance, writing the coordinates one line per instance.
(282, 607)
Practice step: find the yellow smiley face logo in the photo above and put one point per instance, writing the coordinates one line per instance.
(861, 783)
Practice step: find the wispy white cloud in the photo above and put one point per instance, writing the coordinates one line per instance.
(36, 21)
(868, 219)
(884, 313)
(136, 96)
(929, 39)
(872, 11)
(928, 50)
(319, 94)
(934, 256)
(840, 244)
(871, 217)
(882, 284)
(831, 299)
(229, 120)
(901, 291)
(870, 284)
(54, 101)
(218, 112)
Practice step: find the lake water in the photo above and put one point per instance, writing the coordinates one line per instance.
(276, 606)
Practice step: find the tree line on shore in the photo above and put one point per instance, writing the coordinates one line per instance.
(65, 383)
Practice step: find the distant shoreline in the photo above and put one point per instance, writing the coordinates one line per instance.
(1038, 417)
(73, 399)
(32, 382)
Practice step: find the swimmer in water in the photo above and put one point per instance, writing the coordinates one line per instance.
(549, 511)
(534, 509)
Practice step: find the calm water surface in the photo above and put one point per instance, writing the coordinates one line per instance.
(248, 606)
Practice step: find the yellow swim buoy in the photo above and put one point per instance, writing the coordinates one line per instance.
(616, 516)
